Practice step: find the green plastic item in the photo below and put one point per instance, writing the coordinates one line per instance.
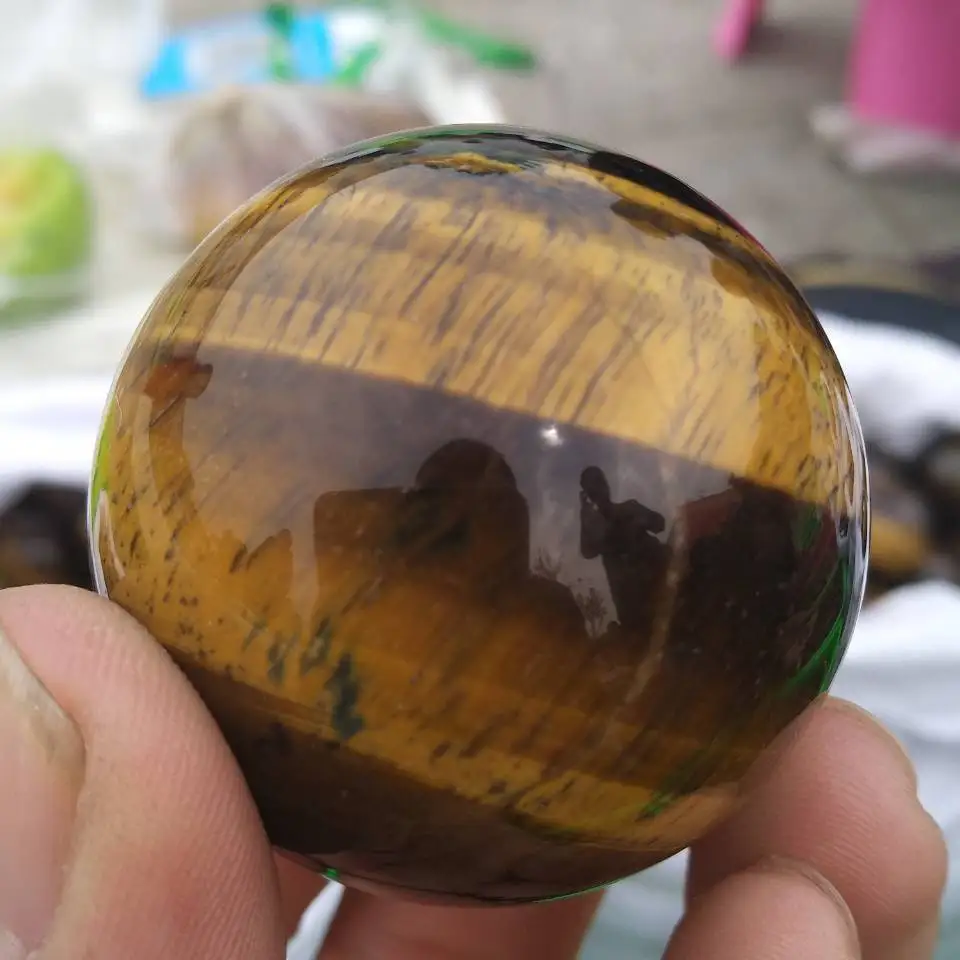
(486, 50)
(483, 48)
(280, 19)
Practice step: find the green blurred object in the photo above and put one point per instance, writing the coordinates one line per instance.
(484, 49)
(354, 71)
(46, 227)
(280, 18)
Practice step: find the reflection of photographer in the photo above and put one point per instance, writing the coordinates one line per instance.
(625, 537)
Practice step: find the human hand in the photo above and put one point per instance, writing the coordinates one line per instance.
(126, 831)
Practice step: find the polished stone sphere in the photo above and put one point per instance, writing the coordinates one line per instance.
(502, 499)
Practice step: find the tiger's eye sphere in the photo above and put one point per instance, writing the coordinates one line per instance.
(501, 498)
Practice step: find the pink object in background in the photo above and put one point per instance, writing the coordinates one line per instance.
(736, 26)
(905, 65)
(905, 69)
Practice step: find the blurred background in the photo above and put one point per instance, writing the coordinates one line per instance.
(782, 115)
(830, 130)
(643, 76)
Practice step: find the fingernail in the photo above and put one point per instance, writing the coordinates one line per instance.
(787, 866)
(868, 719)
(42, 758)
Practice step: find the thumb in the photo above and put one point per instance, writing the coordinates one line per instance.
(125, 827)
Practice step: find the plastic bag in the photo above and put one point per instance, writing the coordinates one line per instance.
(232, 144)
(235, 104)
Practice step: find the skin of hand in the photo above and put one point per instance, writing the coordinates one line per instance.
(126, 830)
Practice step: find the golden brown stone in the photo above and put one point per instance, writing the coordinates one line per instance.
(501, 497)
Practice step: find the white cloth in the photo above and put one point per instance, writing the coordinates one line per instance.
(905, 383)
(903, 663)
